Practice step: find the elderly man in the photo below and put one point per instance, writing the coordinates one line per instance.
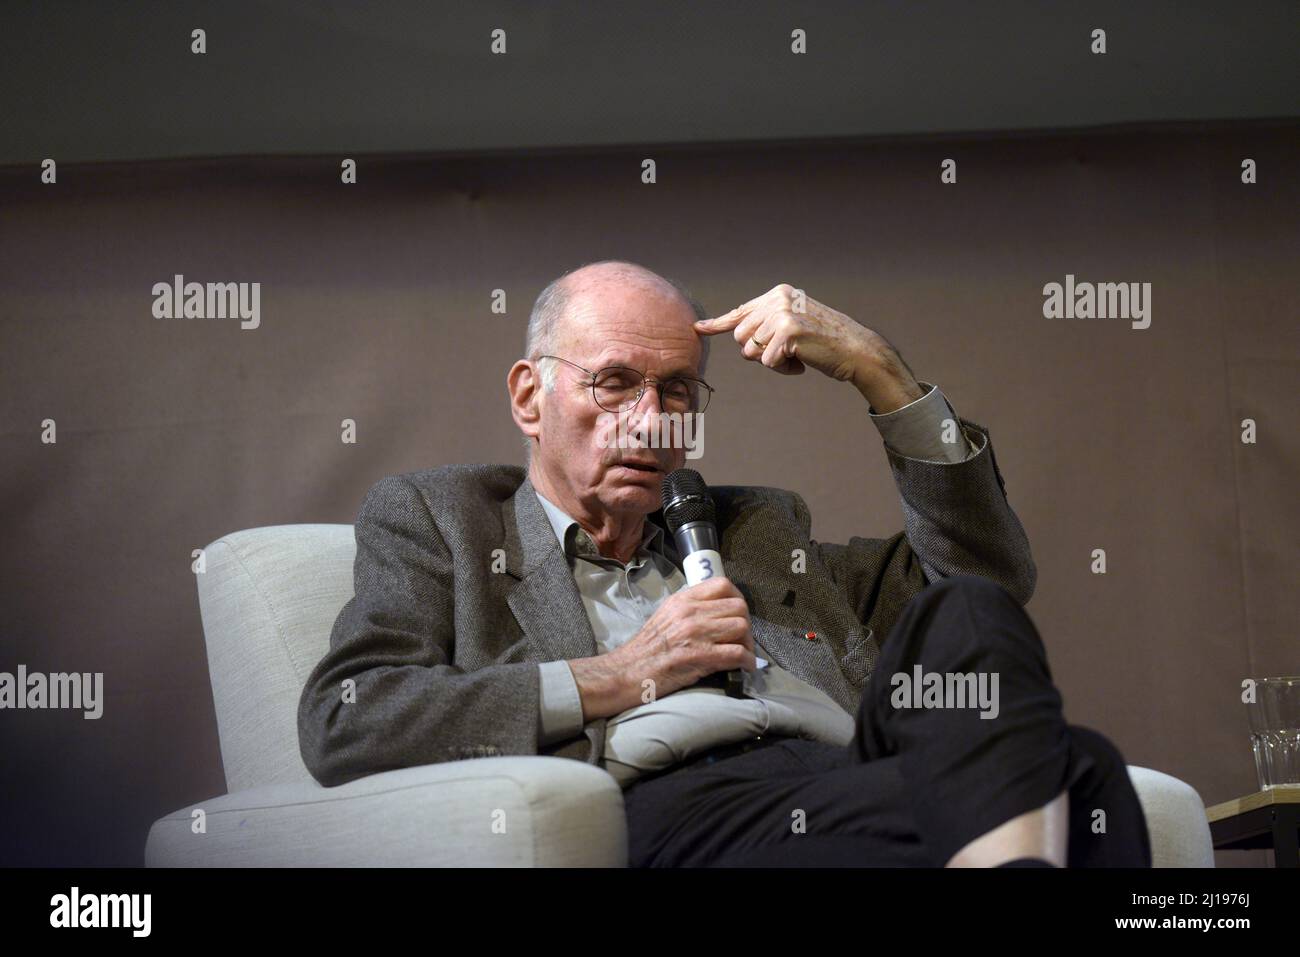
(501, 612)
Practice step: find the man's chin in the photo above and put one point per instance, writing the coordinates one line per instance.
(634, 490)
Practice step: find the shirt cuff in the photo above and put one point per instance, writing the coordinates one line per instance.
(917, 430)
(560, 705)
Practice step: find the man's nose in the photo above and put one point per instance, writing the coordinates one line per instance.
(648, 403)
(646, 408)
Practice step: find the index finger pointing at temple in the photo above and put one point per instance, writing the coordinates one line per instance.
(723, 323)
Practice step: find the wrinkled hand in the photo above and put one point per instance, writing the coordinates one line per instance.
(695, 632)
(787, 330)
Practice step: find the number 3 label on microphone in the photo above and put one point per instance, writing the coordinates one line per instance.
(701, 566)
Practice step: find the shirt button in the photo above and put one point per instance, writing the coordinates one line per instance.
(811, 635)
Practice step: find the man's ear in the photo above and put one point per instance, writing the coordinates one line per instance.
(525, 397)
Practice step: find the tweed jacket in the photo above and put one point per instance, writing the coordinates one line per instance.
(461, 588)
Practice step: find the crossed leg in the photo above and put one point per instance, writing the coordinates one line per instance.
(916, 786)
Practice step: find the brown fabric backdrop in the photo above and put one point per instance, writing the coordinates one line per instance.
(376, 306)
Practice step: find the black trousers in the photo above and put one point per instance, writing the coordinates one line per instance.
(915, 785)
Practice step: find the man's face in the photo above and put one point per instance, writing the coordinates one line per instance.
(641, 329)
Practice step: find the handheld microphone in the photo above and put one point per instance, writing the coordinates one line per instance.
(692, 518)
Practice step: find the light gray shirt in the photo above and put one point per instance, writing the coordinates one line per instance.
(619, 599)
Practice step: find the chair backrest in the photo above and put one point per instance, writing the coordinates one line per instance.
(268, 598)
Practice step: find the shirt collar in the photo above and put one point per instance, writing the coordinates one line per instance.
(578, 544)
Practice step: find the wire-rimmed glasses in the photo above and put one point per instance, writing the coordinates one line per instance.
(619, 389)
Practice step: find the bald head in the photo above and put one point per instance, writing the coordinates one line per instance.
(560, 308)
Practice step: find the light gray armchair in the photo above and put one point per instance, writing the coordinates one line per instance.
(268, 598)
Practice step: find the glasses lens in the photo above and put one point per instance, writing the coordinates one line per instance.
(617, 389)
(681, 395)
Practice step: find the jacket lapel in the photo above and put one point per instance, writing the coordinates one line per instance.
(545, 599)
(546, 603)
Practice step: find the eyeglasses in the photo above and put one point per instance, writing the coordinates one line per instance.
(619, 389)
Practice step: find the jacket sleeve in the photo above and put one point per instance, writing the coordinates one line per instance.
(386, 695)
(958, 521)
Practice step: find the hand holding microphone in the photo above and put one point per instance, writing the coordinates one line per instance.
(692, 519)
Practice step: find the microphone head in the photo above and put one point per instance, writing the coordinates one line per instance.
(686, 499)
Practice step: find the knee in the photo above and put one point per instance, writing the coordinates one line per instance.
(975, 586)
(972, 589)
(985, 616)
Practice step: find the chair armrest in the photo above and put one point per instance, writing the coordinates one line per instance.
(1176, 822)
(528, 811)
